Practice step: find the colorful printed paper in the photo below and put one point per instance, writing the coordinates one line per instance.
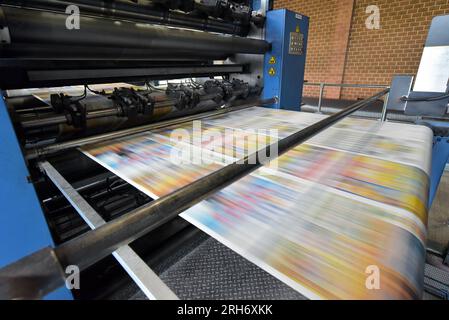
(342, 216)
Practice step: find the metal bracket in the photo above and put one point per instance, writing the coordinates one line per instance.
(401, 85)
(437, 108)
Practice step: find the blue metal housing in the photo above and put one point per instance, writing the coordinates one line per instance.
(440, 156)
(23, 228)
(285, 64)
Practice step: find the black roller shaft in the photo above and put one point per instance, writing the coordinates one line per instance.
(139, 13)
(41, 27)
(70, 52)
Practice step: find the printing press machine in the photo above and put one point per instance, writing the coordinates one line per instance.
(130, 67)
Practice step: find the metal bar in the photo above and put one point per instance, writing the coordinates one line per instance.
(372, 115)
(383, 118)
(86, 74)
(104, 181)
(32, 154)
(62, 119)
(320, 101)
(94, 245)
(345, 85)
(22, 56)
(34, 110)
(153, 287)
(44, 121)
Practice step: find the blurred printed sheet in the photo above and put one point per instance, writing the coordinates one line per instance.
(349, 202)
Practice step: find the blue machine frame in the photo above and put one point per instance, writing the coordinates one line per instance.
(284, 65)
(23, 228)
(440, 156)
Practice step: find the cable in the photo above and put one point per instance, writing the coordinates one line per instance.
(196, 84)
(101, 93)
(428, 99)
(153, 88)
(83, 96)
(225, 80)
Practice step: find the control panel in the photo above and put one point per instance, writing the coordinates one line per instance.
(296, 46)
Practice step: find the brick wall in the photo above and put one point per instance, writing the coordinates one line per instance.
(343, 50)
(325, 39)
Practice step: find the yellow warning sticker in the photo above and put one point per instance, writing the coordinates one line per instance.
(272, 60)
(272, 72)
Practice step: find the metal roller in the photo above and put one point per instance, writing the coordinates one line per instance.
(40, 27)
(60, 52)
(140, 13)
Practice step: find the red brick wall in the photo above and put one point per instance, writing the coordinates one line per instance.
(343, 50)
(328, 39)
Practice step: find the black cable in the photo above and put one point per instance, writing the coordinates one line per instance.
(226, 80)
(425, 99)
(148, 87)
(154, 88)
(81, 97)
(101, 93)
(197, 84)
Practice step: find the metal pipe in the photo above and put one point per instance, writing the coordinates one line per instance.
(322, 86)
(59, 52)
(111, 178)
(383, 118)
(346, 85)
(41, 27)
(35, 153)
(91, 247)
(367, 114)
(61, 119)
(320, 101)
(44, 121)
(34, 110)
